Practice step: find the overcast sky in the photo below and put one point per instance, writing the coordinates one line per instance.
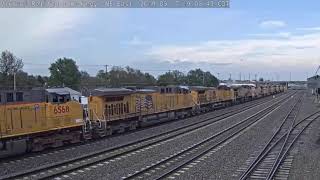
(270, 38)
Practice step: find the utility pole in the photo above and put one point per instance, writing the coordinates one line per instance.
(203, 79)
(255, 77)
(14, 81)
(249, 77)
(106, 75)
(240, 76)
(230, 76)
(290, 77)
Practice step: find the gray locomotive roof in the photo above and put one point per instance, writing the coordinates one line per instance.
(63, 91)
(111, 91)
(200, 88)
(146, 90)
(225, 87)
(184, 87)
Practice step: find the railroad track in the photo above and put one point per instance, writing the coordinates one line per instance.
(204, 116)
(60, 168)
(177, 161)
(267, 162)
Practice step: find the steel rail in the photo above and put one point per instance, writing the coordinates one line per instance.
(104, 151)
(285, 142)
(265, 148)
(281, 158)
(263, 113)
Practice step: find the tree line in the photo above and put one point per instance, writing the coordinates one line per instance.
(65, 72)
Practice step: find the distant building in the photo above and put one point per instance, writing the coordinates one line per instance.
(56, 95)
(313, 84)
(62, 94)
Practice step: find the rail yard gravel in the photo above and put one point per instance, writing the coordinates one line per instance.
(225, 162)
(128, 165)
(306, 153)
(44, 158)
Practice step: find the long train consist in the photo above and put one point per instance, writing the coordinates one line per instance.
(41, 118)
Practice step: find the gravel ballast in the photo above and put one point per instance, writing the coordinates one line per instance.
(128, 165)
(70, 152)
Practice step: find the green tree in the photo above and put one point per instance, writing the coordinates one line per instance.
(42, 80)
(9, 64)
(65, 72)
(84, 75)
(118, 77)
(172, 78)
(198, 77)
(149, 79)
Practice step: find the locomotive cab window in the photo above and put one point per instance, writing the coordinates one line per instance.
(19, 96)
(61, 99)
(168, 90)
(54, 99)
(9, 97)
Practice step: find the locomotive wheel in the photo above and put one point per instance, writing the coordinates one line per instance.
(133, 126)
(29, 145)
(108, 131)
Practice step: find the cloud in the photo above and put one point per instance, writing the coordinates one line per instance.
(136, 41)
(35, 31)
(271, 24)
(294, 51)
(309, 29)
(54, 22)
(272, 35)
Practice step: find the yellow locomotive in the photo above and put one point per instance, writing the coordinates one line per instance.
(50, 119)
(117, 109)
(36, 119)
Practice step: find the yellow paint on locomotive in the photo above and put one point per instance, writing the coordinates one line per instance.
(24, 119)
(136, 104)
(225, 95)
(211, 95)
(195, 97)
(172, 101)
(111, 107)
(204, 96)
(157, 102)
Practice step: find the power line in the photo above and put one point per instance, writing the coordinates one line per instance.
(40, 64)
(100, 65)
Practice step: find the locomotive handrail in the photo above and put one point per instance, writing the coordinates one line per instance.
(104, 113)
(99, 120)
(85, 129)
